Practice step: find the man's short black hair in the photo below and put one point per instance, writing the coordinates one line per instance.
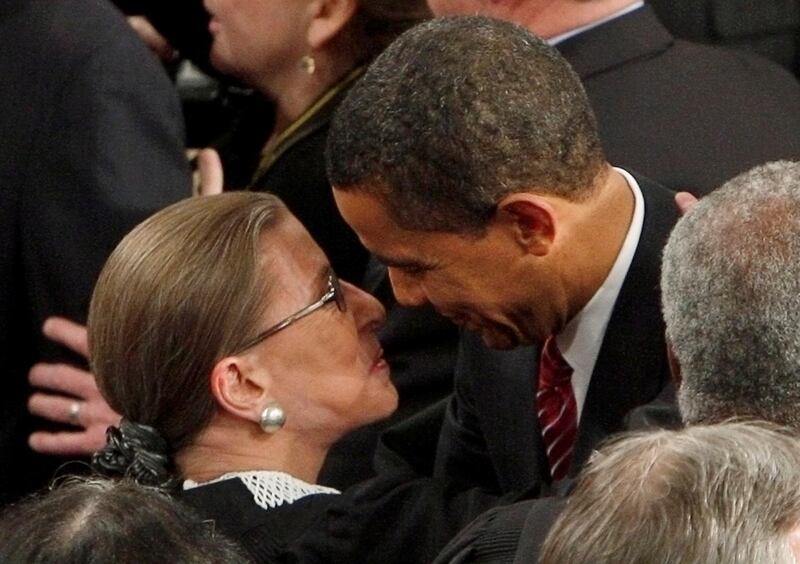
(457, 113)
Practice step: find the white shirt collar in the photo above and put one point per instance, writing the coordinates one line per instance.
(581, 339)
(578, 30)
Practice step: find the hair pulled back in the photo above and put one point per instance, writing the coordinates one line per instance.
(184, 289)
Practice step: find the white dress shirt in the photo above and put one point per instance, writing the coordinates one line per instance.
(581, 339)
(573, 32)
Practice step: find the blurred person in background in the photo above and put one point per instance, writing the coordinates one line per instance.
(302, 57)
(92, 144)
(689, 116)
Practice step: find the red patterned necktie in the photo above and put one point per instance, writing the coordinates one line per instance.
(556, 408)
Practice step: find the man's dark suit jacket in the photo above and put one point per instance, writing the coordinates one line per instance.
(515, 533)
(91, 144)
(688, 116)
(511, 534)
(491, 437)
(770, 28)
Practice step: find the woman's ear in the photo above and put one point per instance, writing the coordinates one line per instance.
(532, 219)
(238, 389)
(329, 18)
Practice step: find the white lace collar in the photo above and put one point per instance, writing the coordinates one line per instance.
(270, 489)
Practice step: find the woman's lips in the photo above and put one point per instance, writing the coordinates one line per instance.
(379, 363)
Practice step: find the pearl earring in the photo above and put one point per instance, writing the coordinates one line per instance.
(272, 418)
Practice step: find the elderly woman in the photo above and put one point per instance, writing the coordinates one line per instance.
(236, 357)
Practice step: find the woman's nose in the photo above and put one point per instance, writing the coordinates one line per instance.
(367, 310)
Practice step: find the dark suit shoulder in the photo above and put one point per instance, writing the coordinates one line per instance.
(68, 31)
(690, 116)
(490, 416)
(92, 144)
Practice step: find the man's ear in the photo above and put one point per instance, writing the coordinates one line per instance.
(237, 388)
(329, 18)
(532, 219)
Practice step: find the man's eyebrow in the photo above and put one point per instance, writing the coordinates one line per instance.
(397, 262)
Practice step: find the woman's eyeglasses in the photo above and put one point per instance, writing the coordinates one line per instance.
(332, 294)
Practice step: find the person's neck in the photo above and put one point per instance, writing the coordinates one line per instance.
(296, 91)
(549, 18)
(240, 447)
(600, 231)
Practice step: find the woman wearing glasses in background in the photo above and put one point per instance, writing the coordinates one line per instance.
(236, 358)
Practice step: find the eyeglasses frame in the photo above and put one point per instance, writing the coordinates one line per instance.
(333, 293)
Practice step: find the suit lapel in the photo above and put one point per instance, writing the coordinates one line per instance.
(505, 389)
(637, 35)
(631, 368)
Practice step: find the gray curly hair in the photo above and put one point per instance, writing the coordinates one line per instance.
(731, 299)
(719, 493)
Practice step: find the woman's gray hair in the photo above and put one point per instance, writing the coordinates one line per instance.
(722, 493)
(731, 299)
(99, 520)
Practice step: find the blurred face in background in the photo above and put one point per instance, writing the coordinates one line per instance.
(257, 38)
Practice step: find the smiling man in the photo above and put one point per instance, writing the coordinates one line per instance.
(467, 159)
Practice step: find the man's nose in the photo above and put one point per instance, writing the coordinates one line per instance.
(407, 290)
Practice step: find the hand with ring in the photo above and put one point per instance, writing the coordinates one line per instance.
(75, 413)
(68, 395)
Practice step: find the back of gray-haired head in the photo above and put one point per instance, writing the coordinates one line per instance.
(731, 299)
(705, 494)
(457, 113)
(97, 520)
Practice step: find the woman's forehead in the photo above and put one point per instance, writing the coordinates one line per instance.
(290, 239)
(292, 257)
